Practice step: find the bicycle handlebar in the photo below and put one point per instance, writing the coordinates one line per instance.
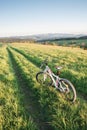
(44, 62)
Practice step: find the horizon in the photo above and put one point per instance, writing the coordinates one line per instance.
(33, 17)
(75, 34)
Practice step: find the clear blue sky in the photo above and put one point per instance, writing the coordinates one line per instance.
(25, 17)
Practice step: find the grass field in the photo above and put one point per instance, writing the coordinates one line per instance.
(26, 105)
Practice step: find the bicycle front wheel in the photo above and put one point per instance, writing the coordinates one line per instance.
(69, 90)
(44, 79)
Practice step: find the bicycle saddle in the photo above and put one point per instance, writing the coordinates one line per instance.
(58, 67)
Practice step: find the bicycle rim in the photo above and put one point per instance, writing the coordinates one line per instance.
(69, 90)
(44, 78)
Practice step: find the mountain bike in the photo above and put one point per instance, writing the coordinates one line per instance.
(47, 77)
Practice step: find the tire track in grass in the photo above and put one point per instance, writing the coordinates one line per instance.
(31, 95)
(28, 57)
(28, 102)
(12, 115)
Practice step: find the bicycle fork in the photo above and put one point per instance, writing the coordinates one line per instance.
(57, 83)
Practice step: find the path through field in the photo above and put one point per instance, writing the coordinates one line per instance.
(41, 107)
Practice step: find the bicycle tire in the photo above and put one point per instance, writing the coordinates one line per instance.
(70, 92)
(40, 78)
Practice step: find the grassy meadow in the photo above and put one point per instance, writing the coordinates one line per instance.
(25, 104)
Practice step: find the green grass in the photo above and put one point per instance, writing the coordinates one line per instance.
(74, 62)
(38, 105)
(1, 44)
(12, 112)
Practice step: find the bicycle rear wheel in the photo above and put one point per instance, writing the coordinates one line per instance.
(44, 78)
(69, 90)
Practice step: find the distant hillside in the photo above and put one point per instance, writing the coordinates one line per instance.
(73, 41)
(63, 38)
(15, 39)
(50, 38)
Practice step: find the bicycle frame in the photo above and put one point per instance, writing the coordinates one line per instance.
(55, 78)
(48, 78)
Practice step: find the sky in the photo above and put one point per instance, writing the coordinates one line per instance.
(27, 17)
